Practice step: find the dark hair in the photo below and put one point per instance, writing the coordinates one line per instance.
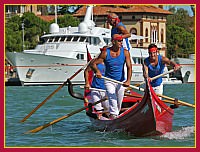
(151, 46)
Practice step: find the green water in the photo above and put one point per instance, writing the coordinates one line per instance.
(76, 131)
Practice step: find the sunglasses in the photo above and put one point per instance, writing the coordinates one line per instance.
(119, 40)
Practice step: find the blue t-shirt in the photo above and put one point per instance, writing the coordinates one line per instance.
(155, 70)
(115, 65)
(96, 82)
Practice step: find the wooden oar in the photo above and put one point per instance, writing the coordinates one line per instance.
(141, 89)
(158, 76)
(63, 117)
(132, 95)
(170, 100)
(55, 91)
(134, 87)
(179, 101)
(126, 94)
(137, 85)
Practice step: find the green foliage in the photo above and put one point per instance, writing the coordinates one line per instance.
(180, 33)
(179, 41)
(180, 18)
(33, 27)
(67, 20)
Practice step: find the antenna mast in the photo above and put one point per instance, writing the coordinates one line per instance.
(55, 14)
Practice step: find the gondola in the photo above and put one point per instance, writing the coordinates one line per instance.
(143, 116)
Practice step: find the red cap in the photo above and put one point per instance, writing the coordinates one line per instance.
(115, 17)
(118, 37)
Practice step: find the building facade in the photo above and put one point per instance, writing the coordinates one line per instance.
(20, 9)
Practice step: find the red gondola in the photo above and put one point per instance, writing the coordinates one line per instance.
(145, 116)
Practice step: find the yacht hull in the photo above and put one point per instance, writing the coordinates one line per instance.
(40, 69)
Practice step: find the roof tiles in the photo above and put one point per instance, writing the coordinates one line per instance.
(104, 10)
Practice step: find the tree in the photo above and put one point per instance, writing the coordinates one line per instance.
(180, 18)
(180, 33)
(67, 20)
(179, 41)
(33, 27)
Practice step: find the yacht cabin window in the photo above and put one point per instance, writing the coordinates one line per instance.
(75, 39)
(51, 39)
(80, 56)
(69, 38)
(82, 39)
(107, 40)
(93, 40)
(42, 40)
(137, 60)
(56, 39)
(62, 38)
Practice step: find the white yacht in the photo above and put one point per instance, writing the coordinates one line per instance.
(64, 51)
(60, 54)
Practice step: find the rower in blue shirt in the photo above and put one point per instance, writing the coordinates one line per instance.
(154, 65)
(98, 87)
(114, 58)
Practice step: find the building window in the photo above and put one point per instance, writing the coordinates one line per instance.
(162, 35)
(133, 31)
(154, 36)
(146, 35)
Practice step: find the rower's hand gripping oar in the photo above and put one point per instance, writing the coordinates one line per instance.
(158, 76)
(55, 91)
